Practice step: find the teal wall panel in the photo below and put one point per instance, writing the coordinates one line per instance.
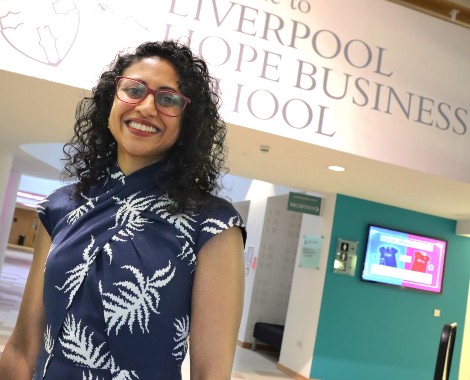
(373, 331)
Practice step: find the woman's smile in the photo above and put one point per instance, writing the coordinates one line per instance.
(135, 126)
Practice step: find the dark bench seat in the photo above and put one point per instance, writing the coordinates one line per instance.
(268, 333)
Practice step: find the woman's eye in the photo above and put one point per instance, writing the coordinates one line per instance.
(169, 100)
(135, 92)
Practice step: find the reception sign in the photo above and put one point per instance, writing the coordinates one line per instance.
(307, 204)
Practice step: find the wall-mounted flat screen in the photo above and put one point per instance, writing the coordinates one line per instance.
(404, 259)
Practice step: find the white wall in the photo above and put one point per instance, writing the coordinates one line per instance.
(235, 188)
(257, 194)
(275, 265)
(243, 209)
(7, 200)
(306, 295)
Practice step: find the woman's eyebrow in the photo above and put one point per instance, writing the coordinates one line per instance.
(163, 87)
(168, 88)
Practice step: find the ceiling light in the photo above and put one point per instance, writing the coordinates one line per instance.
(453, 14)
(29, 205)
(336, 168)
(264, 148)
(35, 197)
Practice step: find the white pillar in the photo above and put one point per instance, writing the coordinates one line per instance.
(9, 183)
(6, 161)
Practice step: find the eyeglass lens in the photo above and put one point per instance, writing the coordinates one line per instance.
(166, 101)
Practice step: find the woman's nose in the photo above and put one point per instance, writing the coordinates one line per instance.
(147, 105)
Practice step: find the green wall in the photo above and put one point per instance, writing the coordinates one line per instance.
(369, 331)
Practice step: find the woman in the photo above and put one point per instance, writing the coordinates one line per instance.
(138, 252)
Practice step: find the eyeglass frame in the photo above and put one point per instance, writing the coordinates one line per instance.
(151, 91)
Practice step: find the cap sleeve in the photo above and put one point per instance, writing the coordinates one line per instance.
(52, 209)
(216, 217)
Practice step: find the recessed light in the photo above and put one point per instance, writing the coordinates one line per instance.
(264, 148)
(336, 168)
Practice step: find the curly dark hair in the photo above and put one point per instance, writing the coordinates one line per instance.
(195, 161)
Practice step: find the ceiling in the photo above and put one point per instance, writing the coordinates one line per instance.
(37, 111)
(45, 115)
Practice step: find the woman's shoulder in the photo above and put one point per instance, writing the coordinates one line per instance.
(58, 197)
(217, 214)
(216, 206)
(57, 204)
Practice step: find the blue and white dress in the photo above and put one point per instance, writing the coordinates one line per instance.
(118, 278)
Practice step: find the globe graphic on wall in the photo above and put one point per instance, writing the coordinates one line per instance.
(43, 30)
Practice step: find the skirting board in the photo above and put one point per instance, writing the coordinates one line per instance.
(279, 366)
(23, 248)
(259, 346)
(291, 373)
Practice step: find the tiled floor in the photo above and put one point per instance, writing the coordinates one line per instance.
(248, 364)
(12, 281)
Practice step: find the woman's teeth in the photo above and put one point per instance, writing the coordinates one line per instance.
(141, 127)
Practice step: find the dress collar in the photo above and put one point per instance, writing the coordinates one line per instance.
(151, 174)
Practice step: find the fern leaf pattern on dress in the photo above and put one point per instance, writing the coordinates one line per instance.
(40, 209)
(128, 216)
(187, 252)
(48, 341)
(136, 300)
(78, 274)
(78, 346)
(184, 224)
(181, 337)
(121, 374)
(119, 176)
(89, 376)
(215, 226)
(109, 252)
(51, 248)
(48, 347)
(181, 221)
(74, 215)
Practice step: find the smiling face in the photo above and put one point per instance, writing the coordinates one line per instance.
(144, 135)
